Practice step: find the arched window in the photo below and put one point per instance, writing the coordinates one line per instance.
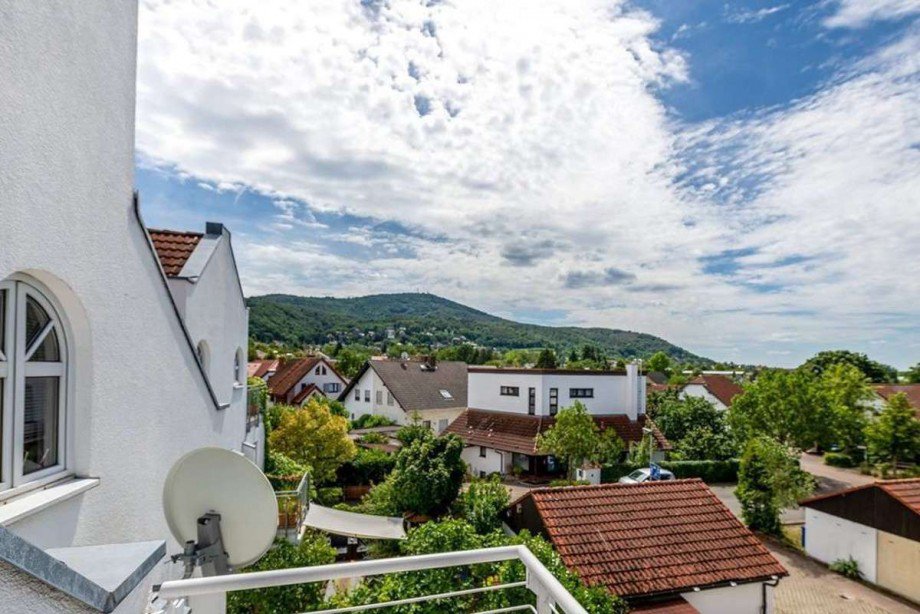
(33, 369)
(238, 367)
(204, 355)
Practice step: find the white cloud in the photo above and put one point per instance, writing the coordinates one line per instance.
(753, 16)
(859, 13)
(540, 157)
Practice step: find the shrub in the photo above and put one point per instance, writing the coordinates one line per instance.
(846, 567)
(710, 471)
(483, 502)
(329, 496)
(374, 438)
(839, 459)
(367, 467)
(369, 421)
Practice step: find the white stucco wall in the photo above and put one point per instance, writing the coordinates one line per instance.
(741, 599)
(698, 390)
(67, 83)
(613, 393)
(493, 462)
(829, 538)
(331, 377)
(371, 381)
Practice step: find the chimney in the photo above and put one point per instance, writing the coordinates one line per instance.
(635, 384)
(429, 363)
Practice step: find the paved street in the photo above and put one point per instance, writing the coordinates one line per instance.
(812, 589)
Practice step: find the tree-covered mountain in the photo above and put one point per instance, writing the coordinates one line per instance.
(426, 319)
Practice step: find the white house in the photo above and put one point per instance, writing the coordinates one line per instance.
(667, 546)
(877, 525)
(716, 388)
(295, 381)
(509, 408)
(101, 385)
(433, 391)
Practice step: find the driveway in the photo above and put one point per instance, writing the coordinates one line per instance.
(811, 588)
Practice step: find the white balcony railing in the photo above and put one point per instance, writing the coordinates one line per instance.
(550, 596)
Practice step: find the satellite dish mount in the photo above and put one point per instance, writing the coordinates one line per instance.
(207, 552)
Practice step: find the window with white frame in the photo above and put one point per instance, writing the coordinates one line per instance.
(33, 369)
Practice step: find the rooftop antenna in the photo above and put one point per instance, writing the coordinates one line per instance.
(222, 508)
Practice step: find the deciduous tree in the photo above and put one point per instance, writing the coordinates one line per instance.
(428, 475)
(769, 480)
(483, 502)
(895, 434)
(312, 436)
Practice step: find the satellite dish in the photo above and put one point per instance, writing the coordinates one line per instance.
(222, 507)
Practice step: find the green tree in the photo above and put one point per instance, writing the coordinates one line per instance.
(483, 502)
(313, 549)
(659, 362)
(546, 359)
(846, 394)
(312, 436)
(572, 357)
(574, 436)
(769, 479)
(784, 405)
(894, 436)
(704, 443)
(876, 372)
(913, 374)
(428, 475)
(675, 417)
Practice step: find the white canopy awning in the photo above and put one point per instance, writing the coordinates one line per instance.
(351, 524)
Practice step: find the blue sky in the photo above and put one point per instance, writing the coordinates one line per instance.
(740, 178)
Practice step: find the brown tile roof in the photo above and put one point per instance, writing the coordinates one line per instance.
(259, 368)
(289, 374)
(518, 433)
(669, 606)
(906, 491)
(173, 248)
(415, 387)
(301, 396)
(719, 386)
(912, 391)
(651, 538)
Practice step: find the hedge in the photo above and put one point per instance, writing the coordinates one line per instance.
(710, 471)
(838, 459)
(367, 467)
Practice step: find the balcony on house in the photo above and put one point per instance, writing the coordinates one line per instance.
(538, 591)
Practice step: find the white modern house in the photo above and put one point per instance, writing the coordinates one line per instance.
(508, 408)
(434, 392)
(110, 368)
(296, 381)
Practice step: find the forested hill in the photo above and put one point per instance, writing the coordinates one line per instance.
(424, 319)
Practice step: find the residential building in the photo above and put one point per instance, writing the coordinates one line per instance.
(113, 362)
(264, 368)
(716, 388)
(433, 391)
(509, 408)
(884, 392)
(876, 525)
(662, 546)
(295, 381)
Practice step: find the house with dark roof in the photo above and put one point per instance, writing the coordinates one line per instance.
(668, 546)
(430, 390)
(263, 368)
(296, 381)
(876, 525)
(716, 388)
(509, 408)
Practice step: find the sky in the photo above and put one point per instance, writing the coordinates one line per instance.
(740, 178)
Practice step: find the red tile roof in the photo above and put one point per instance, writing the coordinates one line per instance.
(670, 606)
(912, 391)
(719, 386)
(906, 491)
(518, 432)
(289, 374)
(301, 396)
(173, 248)
(651, 538)
(258, 368)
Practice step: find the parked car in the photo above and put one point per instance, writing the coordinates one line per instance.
(644, 475)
